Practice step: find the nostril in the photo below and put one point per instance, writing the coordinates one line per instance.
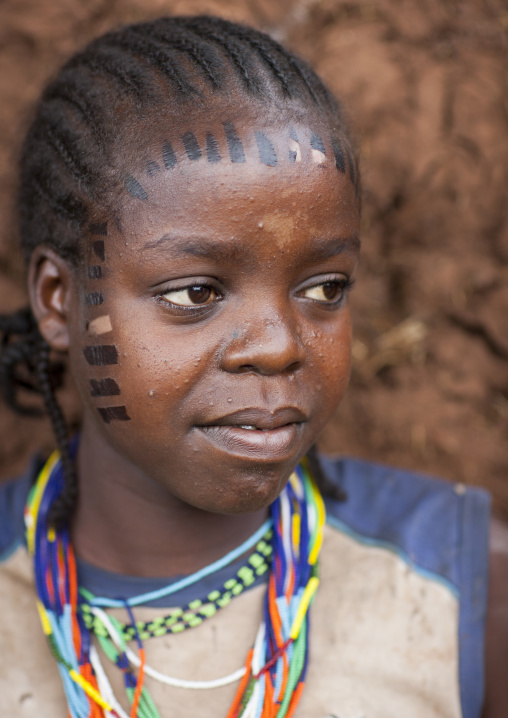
(244, 368)
(293, 367)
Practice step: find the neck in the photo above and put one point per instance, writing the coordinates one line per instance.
(129, 524)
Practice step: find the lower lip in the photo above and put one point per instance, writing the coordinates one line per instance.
(270, 445)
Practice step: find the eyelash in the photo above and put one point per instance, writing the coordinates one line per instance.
(343, 284)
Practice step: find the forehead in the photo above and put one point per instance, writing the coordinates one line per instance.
(216, 173)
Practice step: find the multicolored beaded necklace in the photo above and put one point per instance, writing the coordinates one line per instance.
(272, 681)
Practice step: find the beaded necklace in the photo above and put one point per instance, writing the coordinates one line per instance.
(196, 611)
(273, 678)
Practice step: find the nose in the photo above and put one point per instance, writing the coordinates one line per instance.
(268, 344)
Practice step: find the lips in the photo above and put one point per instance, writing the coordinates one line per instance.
(257, 433)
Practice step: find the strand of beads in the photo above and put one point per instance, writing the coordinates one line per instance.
(196, 611)
(273, 678)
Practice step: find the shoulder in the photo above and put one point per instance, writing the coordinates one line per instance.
(440, 531)
(440, 526)
(13, 496)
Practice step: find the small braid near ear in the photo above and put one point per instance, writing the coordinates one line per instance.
(25, 365)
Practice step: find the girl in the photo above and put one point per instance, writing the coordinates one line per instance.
(189, 210)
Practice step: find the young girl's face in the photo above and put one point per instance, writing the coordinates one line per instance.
(211, 336)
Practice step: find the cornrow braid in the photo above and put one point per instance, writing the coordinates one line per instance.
(65, 505)
(25, 364)
(68, 161)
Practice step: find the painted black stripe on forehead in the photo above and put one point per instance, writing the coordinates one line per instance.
(152, 168)
(98, 249)
(100, 228)
(267, 153)
(212, 149)
(134, 188)
(101, 354)
(352, 170)
(191, 146)
(104, 387)
(113, 413)
(94, 299)
(317, 143)
(340, 160)
(168, 155)
(235, 145)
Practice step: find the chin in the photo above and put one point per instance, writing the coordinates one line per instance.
(249, 495)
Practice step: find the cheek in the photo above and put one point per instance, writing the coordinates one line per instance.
(331, 361)
(158, 369)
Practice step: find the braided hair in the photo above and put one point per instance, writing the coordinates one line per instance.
(68, 157)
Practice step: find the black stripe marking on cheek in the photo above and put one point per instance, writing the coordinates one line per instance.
(191, 146)
(113, 413)
(266, 150)
(340, 160)
(100, 228)
(104, 387)
(101, 354)
(98, 248)
(168, 155)
(235, 146)
(134, 188)
(212, 149)
(317, 143)
(94, 271)
(152, 168)
(94, 299)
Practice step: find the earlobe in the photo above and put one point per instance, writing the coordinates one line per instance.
(49, 285)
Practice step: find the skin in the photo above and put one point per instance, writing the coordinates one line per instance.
(267, 342)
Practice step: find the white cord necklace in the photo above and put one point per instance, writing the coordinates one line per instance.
(156, 675)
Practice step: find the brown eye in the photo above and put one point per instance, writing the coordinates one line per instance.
(326, 292)
(196, 295)
(199, 295)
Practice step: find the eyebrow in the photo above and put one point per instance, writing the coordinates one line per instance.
(207, 248)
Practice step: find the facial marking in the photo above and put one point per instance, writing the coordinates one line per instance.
(235, 145)
(152, 168)
(113, 413)
(295, 153)
(318, 150)
(340, 160)
(317, 143)
(100, 325)
(100, 228)
(168, 155)
(191, 146)
(101, 354)
(212, 149)
(94, 299)
(107, 354)
(104, 387)
(94, 271)
(267, 153)
(352, 173)
(134, 188)
(98, 249)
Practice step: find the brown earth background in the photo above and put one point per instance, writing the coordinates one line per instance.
(426, 87)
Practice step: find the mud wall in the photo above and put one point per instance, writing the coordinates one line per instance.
(426, 88)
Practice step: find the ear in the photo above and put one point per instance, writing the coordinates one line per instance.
(49, 284)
